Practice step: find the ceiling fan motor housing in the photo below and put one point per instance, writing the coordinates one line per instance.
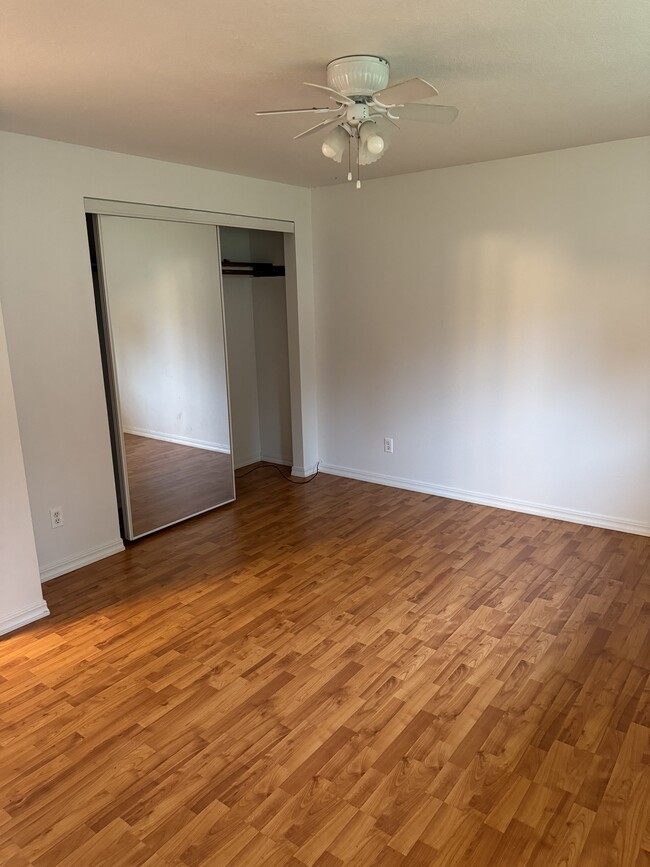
(357, 114)
(358, 75)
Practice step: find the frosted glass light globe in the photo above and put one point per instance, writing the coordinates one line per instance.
(335, 144)
(375, 144)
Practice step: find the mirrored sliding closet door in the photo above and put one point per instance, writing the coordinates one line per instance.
(162, 311)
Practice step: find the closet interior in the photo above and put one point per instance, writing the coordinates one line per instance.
(255, 307)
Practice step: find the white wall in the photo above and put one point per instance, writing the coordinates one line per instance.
(258, 367)
(46, 292)
(21, 600)
(242, 369)
(266, 247)
(164, 294)
(235, 243)
(272, 360)
(495, 320)
(240, 331)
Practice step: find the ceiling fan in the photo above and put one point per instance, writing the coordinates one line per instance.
(366, 108)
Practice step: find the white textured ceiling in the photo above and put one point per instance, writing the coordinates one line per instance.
(180, 80)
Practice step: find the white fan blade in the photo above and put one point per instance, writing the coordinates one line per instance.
(299, 111)
(379, 118)
(428, 113)
(340, 97)
(321, 125)
(412, 90)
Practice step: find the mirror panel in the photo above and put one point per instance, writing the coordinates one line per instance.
(163, 311)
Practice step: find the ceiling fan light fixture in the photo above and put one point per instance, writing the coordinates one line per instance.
(375, 144)
(373, 140)
(335, 144)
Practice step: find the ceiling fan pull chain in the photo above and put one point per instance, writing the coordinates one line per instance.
(350, 158)
(358, 161)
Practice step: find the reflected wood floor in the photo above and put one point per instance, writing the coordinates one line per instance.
(338, 673)
(168, 481)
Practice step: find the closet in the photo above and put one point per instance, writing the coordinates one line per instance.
(192, 326)
(255, 308)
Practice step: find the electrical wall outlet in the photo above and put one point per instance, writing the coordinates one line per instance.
(56, 516)
(388, 445)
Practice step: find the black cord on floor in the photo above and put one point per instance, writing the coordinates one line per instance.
(284, 476)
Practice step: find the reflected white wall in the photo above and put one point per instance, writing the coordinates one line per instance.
(166, 320)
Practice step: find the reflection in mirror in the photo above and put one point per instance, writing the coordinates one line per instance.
(164, 314)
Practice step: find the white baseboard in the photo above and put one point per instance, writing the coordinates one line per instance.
(305, 472)
(589, 518)
(79, 560)
(256, 458)
(179, 440)
(246, 461)
(23, 617)
(271, 459)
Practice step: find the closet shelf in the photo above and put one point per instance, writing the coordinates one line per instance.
(251, 269)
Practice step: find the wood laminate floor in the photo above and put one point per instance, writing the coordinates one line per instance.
(331, 674)
(168, 481)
